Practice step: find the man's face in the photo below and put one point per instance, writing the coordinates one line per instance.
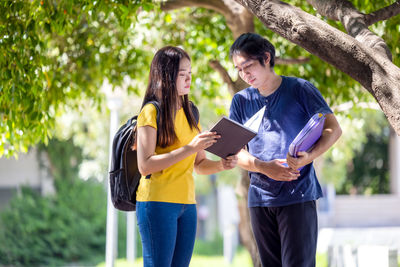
(184, 77)
(250, 70)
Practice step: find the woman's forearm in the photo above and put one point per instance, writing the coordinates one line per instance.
(207, 167)
(156, 163)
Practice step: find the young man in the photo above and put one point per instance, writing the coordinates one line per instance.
(281, 198)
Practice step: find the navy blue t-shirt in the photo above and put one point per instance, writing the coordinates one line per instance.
(288, 110)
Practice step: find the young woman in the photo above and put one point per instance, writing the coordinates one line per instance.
(169, 150)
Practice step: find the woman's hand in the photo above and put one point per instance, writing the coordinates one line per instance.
(204, 140)
(230, 162)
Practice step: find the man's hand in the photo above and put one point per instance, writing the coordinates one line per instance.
(275, 169)
(330, 134)
(230, 162)
(303, 158)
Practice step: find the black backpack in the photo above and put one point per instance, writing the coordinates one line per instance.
(124, 173)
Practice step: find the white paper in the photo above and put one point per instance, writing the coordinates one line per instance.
(255, 121)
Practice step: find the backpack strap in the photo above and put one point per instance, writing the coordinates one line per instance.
(130, 121)
(157, 106)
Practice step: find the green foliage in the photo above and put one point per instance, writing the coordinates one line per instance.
(122, 219)
(88, 129)
(53, 53)
(358, 162)
(65, 158)
(54, 230)
(368, 172)
(205, 37)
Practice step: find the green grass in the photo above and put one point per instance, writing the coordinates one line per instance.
(321, 260)
(242, 259)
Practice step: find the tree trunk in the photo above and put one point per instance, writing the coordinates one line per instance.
(245, 230)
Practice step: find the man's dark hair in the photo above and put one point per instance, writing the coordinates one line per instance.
(253, 46)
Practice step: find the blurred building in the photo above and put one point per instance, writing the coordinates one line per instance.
(357, 220)
(28, 170)
(362, 210)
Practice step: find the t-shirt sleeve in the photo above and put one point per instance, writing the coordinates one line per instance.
(313, 100)
(148, 116)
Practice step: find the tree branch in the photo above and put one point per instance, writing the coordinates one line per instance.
(216, 5)
(290, 61)
(238, 18)
(353, 21)
(383, 14)
(216, 65)
(233, 86)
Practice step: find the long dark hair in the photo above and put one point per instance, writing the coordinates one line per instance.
(162, 88)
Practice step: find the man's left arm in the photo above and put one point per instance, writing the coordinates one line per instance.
(330, 135)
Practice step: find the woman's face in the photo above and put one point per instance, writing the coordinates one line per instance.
(184, 77)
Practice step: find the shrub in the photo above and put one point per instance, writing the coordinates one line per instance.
(68, 227)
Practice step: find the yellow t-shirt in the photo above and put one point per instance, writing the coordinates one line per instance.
(174, 184)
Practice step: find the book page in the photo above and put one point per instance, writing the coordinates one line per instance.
(255, 121)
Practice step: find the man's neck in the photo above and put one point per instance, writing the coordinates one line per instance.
(271, 84)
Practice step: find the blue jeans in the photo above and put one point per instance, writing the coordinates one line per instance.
(168, 231)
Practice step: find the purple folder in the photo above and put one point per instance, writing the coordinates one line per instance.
(308, 136)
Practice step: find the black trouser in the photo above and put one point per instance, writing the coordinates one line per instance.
(286, 236)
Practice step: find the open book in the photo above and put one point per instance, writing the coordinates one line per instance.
(234, 136)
